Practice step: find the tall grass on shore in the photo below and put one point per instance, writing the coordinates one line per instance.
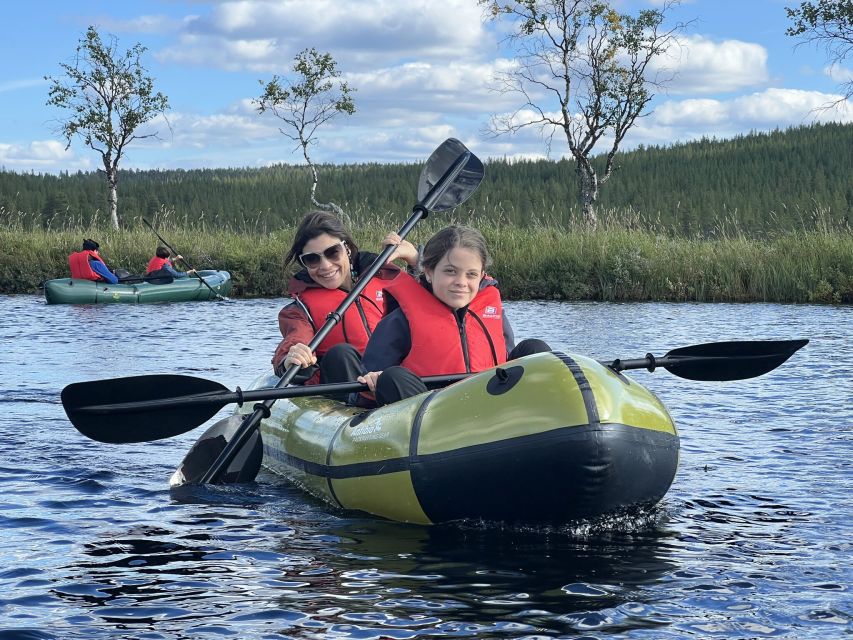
(624, 259)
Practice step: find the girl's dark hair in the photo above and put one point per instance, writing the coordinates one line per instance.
(451, 237)
(316, 223)
(162, 252)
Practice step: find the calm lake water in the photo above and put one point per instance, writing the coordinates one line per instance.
(752, 541)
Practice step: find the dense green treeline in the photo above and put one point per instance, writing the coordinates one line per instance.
(753, 183)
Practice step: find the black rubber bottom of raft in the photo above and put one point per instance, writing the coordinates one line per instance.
(565, 474)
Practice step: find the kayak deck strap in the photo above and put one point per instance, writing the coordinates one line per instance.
(416, 425)
(584, 386)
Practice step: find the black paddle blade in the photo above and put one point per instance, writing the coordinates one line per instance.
(465, 183)
(729, 360)
(243, 467)
(92, 407)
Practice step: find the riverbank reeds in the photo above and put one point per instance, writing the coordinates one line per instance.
(623, 259)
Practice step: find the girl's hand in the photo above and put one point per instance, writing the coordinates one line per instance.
(370, 380)
(404, 249)
(300, 354)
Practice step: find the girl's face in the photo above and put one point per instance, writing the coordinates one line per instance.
(327, 261)
(456, 277)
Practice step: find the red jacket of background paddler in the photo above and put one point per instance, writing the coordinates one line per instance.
(80, 267)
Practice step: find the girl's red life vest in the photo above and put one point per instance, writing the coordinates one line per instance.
(439, 341)
(358, 321)
(80, 267)
(155, 264)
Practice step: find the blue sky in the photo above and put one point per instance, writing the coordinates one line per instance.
(423, 71)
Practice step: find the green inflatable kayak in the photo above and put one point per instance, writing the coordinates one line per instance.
(74, 291)
(549, 438)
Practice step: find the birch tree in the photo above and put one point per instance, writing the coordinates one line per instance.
(309, 99)
(108, 96)
(583, 69)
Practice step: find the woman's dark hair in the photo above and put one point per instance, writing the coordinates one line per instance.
(316, 223)
(162, 252)
(450, 238)
(90, 245)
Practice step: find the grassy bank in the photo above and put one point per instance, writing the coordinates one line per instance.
(611, 263)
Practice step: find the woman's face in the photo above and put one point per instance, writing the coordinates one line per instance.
(456, 278)
(327, 262)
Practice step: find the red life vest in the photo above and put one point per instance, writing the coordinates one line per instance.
(358, 321)
(155, 264)
(438, 339)
(80, 267)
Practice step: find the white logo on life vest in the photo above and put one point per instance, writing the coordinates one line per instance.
(491, 312)
(379, 295)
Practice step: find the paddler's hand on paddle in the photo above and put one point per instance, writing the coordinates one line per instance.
(404, 250)
(370, 379)
(300, 354)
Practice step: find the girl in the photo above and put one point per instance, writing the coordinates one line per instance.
(450, 321)
(161, 265)
(331, 264)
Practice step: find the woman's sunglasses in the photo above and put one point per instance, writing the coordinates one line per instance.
(332, 254)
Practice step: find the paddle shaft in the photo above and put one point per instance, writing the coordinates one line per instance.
(241, 397)
(651, 362)
(420, 210)
(168, 246)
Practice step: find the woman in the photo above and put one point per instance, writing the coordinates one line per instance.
(331, 265)
(450, 321)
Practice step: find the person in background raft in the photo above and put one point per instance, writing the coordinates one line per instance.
(450, 320)
(161, 265)
(331, 264)
(88, 264)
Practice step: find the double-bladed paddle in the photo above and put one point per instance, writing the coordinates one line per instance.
(218, 295)
(449, 177)
(144, 408)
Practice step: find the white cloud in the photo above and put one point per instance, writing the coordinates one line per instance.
(776, 107)
(790, 106)
(156, 24)
(41, 155)
(16, 85)
(692, 112)
(839, 73)
(203, 131)
(456, 87)
(704, 66)
(264, 36)
(694, 118)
